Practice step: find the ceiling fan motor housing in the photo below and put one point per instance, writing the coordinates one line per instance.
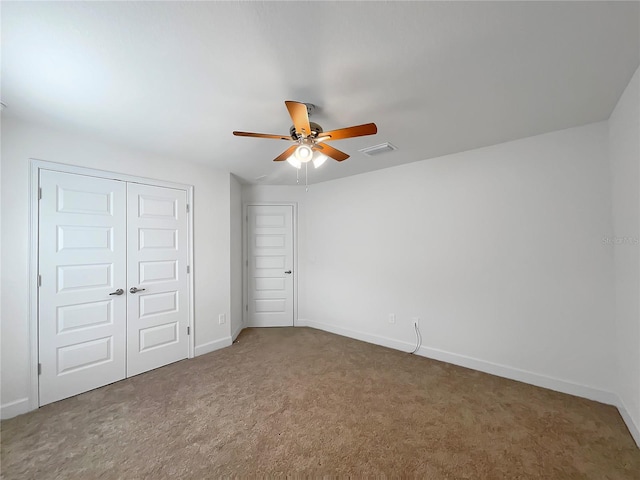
(315, 131)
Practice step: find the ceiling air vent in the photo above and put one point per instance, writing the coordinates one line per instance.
(378, 149)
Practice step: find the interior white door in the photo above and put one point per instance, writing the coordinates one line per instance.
(270, 269)
(158, 300)
(82, 257)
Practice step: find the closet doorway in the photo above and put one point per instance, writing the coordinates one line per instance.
(113, 274)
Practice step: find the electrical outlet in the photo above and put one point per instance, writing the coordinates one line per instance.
(392, 318)
(222, 319)
(416, 321)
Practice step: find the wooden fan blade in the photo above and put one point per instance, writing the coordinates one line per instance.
(300, 117)
(286, 154)
(261, 135)
(329, 151)
(349, 132)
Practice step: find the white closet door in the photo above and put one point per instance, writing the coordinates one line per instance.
(158, 308)
(82, 258)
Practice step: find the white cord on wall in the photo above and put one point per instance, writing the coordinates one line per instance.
(418, 337)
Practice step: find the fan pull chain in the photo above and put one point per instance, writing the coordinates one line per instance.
(298, 176)
(306, 183)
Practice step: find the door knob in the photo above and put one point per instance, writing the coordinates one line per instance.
(136, 289)
(117, 292)
(288, 271)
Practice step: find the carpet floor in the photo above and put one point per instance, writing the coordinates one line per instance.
(302, 402)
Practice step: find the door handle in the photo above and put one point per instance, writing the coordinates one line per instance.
(288, 271)
(136, 289)
(117, 292)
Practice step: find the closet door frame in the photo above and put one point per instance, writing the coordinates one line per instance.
(36, 166)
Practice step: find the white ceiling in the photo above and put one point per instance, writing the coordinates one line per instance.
(436, 77)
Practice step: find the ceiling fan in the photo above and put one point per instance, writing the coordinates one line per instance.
(310, 141)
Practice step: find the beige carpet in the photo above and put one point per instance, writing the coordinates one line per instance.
(304, 402)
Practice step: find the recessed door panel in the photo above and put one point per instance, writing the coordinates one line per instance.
(262, 220)
(84, 277)
(158, 336)
(84, 315)
(157, 207)
(270, 270)
(81, 238)
(270, 241)
(158, 303)
(266, 262)
(277, 284)
(84, 200)
(158, 271)
(271, 305)
(152, 238)
(84, 355)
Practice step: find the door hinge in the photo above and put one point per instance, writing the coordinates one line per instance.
(39, 369)
(39, 193)
(187, 208)
(188, 268)
(39, 280)
(188, 330)
(246, 307)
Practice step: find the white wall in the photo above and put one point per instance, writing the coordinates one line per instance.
(624, 154)
(498, 250)
(211, 269)
(235, 319)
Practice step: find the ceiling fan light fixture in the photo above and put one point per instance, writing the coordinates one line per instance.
(319, 159)
(293, 161)
(303, 153)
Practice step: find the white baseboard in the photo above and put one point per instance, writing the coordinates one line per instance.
(499, 370)
(512, 373)
(212, 346)
(634, 429)
(15, 408)
(358, 335)
(237, 331)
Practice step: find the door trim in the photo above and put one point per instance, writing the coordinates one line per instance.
(245, 256)
(35, 166)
